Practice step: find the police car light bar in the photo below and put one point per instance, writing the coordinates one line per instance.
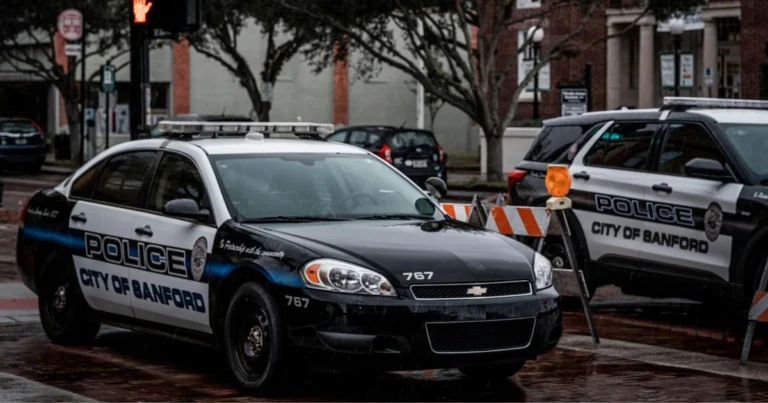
(712, 103)
(191, 127)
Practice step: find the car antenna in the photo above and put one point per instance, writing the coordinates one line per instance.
(403, 125)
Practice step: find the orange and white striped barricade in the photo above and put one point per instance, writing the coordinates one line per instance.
(474, 213)
(757, 313)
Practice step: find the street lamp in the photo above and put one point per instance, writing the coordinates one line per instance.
(676, 28)
(536, 34)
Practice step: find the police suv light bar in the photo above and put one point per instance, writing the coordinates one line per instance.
(713, 103)
(189, 128)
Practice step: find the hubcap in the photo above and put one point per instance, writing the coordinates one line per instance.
(558, 262)
(60, 298)
(254, 342)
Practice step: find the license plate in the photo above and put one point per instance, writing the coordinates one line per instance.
(419, 163)
(21, 142)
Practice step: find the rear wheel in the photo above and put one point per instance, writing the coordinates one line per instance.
(492, 372)
(64, 313)
(255, 339)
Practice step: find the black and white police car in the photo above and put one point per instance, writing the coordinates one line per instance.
(272, 247)
(669, 202)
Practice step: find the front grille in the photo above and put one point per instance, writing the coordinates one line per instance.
(480, 336)
(471, 291)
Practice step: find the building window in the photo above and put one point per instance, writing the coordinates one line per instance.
(728, 29)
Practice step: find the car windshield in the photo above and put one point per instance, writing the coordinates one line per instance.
(17, 126)
(751, 142)
(338, 186)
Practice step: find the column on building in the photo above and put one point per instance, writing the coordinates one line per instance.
(646, 83)
(613, 67)
(709, 56)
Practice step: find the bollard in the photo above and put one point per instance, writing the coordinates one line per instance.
(558, 183)
(757, 313)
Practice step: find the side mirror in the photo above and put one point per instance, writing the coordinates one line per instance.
(437, 187)
(705, 168)
(186, 208)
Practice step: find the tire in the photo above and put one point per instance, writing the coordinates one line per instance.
(492, 372)
(256, 340)
(65, 315)
(556, 253)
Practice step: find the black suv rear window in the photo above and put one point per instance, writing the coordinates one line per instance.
(410, 139)
(553, 142)
(17, 126)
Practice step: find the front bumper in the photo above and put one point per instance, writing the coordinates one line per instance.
(347, 331)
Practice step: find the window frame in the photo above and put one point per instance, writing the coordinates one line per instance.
(142, 190)
(156, 171)
(652, 150)
(99, 167)
(345, 132)
(665, 133)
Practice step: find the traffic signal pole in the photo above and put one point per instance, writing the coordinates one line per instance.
(139, 72)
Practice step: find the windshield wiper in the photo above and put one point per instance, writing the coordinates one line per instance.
(396, 217)
(289, 219)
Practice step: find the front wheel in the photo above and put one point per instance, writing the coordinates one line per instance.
(554, 250)
(255, 339)
(492, 372)
(64, 313)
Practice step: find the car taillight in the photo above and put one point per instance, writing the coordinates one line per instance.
(39, 129)
(24, 212)
(440, 151)
(514, 177)
(385, 152)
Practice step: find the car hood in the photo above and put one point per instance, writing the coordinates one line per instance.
(452, 251)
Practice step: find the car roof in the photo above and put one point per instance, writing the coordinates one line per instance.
(745, 116)
(12, 119)
(233, 146)
(383, 127)
(591, 118)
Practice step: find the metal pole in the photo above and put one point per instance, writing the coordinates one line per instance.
(109, 125)
(83, 94)
(567, 241)
(588, 84)
(535, 83)
(419, 86)
(139, 59)
(678, 39)
(753, 323)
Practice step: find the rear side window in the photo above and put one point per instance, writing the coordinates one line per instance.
(623, 146)
(122, 178)
(83, 186)
(553, 142)
(410, 139)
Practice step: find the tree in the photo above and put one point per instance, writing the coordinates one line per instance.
(460, 44)
(28, 45)
(220, 38)
(432, 102)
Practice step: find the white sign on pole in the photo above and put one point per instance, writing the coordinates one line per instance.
(70, 24)
(708, 76)
(686, 70)
(73, 49)
(668, 70)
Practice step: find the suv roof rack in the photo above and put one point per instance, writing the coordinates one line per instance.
(681, 104)
(193, 130)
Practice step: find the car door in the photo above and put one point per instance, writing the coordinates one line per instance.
(686, 233)
(173, 289)
(610, 175)
(101, 225)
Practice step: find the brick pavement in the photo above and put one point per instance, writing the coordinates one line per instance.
(125, 366)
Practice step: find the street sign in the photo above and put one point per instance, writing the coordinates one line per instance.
(708, 76)
(573, 101)
(73, 49)
(107, 78)
(70, 24)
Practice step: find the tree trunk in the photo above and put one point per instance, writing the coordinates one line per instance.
(266, 106)
(73, 122)
(494, 152)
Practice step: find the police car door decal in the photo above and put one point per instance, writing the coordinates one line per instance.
(99, 253)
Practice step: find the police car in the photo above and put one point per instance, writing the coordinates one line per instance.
(274, 248)
(671, 202)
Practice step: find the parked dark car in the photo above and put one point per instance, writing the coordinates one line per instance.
(22, 144)
(415, 152)
(155, 132)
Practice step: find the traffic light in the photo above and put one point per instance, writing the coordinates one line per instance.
(172, 16)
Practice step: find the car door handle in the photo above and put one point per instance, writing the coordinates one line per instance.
(581, 175)
(79, 218)
(145, 230)
(662, 187)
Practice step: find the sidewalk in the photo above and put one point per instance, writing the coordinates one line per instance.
(17, 304)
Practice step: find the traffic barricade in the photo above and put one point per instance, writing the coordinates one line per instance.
(757, 313)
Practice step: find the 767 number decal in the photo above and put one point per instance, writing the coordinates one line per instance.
(419, 275)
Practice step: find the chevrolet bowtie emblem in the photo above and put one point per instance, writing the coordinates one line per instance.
(476, 291)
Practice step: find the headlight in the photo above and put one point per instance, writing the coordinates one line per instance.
(542, 271)
(333, 275)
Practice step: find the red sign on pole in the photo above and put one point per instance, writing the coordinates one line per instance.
(70, 24)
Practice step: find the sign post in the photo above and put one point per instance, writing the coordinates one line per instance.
(708, 79)
(108, 87)
(573, 101)
(71, 27)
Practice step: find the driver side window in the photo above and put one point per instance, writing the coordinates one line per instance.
(177, 178)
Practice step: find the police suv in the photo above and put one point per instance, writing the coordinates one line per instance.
(669, 202)
(269, 247)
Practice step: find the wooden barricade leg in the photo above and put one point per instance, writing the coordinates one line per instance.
(754, 314)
